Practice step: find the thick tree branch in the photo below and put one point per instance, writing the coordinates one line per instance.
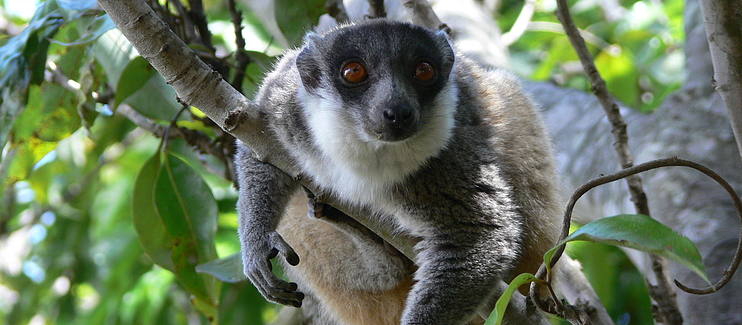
(722, 19)
(198, 85)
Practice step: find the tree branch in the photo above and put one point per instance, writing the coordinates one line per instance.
(376, 8)
(336, 9)
(243, 60)
(722, 19)
(669, 311)
(198, 85)
(422, 14)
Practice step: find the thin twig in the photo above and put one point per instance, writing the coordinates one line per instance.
(336, 9)
(202, 142)
(189, 32)
(654, 164)
(200, 23)
(668, 305)
(376, 9)
(243, 60)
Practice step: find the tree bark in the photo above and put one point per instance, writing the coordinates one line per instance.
(722, 20)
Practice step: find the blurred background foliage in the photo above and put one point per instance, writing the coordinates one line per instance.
(86, 195)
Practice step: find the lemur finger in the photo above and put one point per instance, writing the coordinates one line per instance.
(284, 248)
(276, 290)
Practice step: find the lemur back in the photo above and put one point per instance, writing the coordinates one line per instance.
(386, 115)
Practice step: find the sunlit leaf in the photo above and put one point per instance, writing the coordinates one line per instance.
(152, 233)
(51, 114)
(22, 63)
(136, 74)
(561, 52)
(99, 26)
(28, 153)
(228, 269)
(642, 233)
(620, 74)
(501, 305)
(189, 212)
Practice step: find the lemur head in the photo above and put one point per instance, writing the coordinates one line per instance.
(387, 81)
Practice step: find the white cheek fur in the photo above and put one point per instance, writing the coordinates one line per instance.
(356, 166)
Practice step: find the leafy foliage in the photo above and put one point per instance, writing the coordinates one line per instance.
(101, 223)
(636, 46)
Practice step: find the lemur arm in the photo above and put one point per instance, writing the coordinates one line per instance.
(453, 281)
(264, 194)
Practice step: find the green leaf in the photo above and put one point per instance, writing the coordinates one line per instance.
(175, 216)
(22, 63)
(502, 303)
(560, 51)
(134, 77)
(76, 5)
(619, 284)
(51, 114)
(149, 226)
(296, 18)
(642, 233)
(620, 74)
(263, 61)
(187, 208)
(259, 65)
(228, 269)
(156, 99)
(98, 27)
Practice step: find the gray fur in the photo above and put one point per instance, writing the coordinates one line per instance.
(474, 178)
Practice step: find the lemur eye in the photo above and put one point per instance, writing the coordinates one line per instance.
(354, 72)
(424, 71)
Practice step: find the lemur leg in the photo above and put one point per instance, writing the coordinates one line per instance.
(348, 274)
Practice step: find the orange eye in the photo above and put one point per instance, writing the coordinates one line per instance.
(424, 71)
(354, 72)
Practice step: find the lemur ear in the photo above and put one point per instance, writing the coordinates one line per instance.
(446, 44)
(444, 28)
(307, 63)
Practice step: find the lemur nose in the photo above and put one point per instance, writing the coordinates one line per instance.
(399, 116)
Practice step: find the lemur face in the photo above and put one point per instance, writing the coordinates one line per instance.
(383, 86)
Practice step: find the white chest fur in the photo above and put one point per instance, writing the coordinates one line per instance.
(356, 166)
